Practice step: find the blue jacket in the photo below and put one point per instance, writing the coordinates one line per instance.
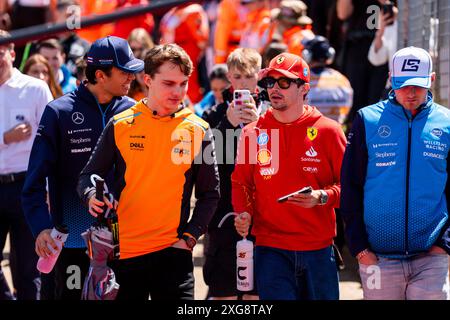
(68, 132)
(69, 82)
(394, 186)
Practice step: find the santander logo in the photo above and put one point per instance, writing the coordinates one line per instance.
(311, 152)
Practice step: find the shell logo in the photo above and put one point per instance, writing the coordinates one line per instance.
(264, 157)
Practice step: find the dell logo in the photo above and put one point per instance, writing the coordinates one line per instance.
(136, 145)
(411, 65)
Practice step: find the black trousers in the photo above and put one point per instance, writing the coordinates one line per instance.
(69, 273)
(23, 257)
(164, 275)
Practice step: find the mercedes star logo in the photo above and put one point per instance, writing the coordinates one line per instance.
(384, 131)
(77, 117)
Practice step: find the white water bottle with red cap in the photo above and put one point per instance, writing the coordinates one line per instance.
(244, 265)
(59, 235)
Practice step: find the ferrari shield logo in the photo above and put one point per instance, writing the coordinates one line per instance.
(312, 133)
(280, 59)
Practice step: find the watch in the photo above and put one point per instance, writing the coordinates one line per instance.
(323, 197)
(190, 241)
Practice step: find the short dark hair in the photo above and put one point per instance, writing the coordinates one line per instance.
(90, 72)
(50, 44)
(159, 54)
(273, 49)
(219, 71)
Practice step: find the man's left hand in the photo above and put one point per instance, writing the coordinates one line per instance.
(305, 200)
(436, 250)
(181, 244)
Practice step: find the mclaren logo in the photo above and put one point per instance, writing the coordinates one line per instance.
(77, 117)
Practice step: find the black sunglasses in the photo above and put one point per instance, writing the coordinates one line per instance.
(283, 83)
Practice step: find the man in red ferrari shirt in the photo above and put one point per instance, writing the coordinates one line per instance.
(290, 147)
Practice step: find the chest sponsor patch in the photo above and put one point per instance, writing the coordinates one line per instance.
(312, 133)
(264, 157)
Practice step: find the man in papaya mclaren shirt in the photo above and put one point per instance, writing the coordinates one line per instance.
(290, 147)
(159, 151)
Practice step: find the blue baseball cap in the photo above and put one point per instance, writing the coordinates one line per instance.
(411, 66)
(114, 51)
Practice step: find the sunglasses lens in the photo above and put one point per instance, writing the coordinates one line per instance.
(284, 83)
(269, 83)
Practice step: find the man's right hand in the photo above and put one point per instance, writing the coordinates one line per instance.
(42, 241)
(97, 206)
(242, 223)
(233, 114)
(20, 132)
(369, 259)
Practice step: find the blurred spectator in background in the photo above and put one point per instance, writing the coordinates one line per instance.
(319, 11)
(367, 80)
(23, 99)
(74, 46)
(138, 89)
(124, 27)
(330, 90)
(38, 67)
(384, 45)
(230, 22)
(291, 26)
(80, 73)
(27, 13)
(256, 25)
(272, 50)
(52, 50)
(140, 43)
(5, 17)
(140, 40)
(96, 7)
(212, 10)
(187, 26)
(218, 82)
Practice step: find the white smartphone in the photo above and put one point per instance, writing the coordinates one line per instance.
(307, 189)
(241, 97)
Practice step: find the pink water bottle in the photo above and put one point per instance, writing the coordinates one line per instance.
(59, 235)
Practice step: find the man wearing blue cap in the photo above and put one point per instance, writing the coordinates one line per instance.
(67, 134)
(395, 188)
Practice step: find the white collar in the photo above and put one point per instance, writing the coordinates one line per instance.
(15, 80)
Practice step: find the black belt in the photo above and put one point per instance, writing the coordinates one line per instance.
(12, 177)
